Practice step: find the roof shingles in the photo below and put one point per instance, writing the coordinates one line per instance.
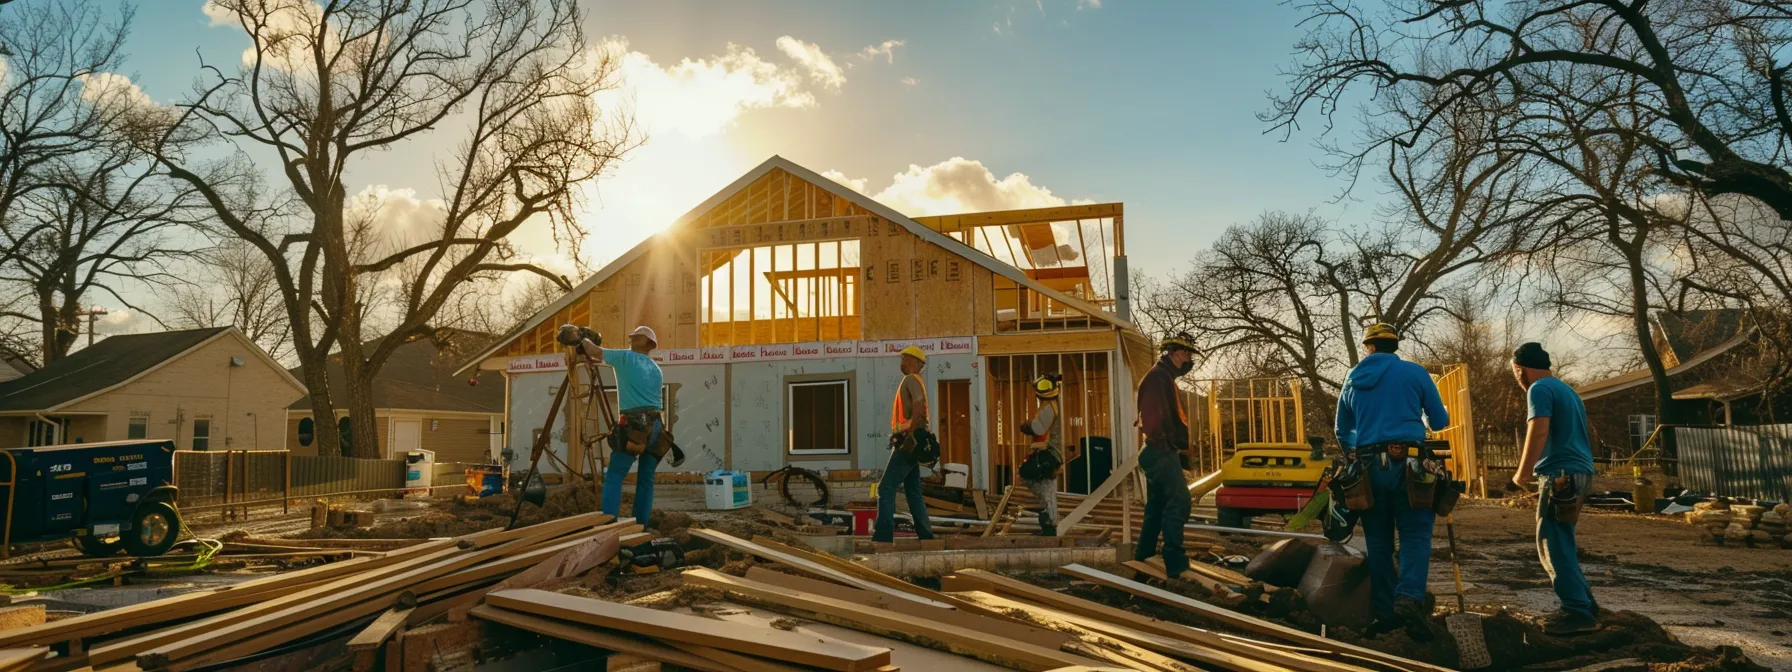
(97, 368)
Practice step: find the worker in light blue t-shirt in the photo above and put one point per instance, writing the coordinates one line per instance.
(1558, 461)
(638, 384)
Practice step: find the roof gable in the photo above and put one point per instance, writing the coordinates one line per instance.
(695, 217)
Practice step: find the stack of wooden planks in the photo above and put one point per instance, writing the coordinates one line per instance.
(1006, 623)
(381, 592)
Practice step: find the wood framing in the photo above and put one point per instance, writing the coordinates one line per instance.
(998, 627)
(600, 638)
(797, 560)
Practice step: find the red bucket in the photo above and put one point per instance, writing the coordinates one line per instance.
(863, 521)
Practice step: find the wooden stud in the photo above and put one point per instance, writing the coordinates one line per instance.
(807, 563)
(982, 646)
(998, 627)
(380, 630)
(597, 637)
(774, 644)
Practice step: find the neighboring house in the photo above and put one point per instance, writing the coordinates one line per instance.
(1712, 360)
(418, 402)
(782, 301)
(207, 389)
(13, 366)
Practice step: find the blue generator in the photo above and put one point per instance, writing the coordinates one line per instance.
(108, 497)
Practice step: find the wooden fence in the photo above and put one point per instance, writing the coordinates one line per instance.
(243, 478)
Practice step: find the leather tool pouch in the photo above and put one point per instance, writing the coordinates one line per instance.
(1564, 500)
(1354, 489)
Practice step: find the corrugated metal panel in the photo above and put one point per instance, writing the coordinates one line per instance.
(315, 475)
(1753, 462)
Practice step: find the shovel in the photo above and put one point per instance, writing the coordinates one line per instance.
(1464, 625)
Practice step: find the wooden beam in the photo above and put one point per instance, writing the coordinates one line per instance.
(1001, 628)
(1001, 509)
(932, 634)
(687, 629)
(972, 220)
(809, 563)
(600, 638)
(1243, 622)
(970, 579)
(1071, 341)
(380, 630)
(1114, 479)
(883, 581)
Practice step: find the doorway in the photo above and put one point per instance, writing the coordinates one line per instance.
(407, 435)
(955, 422)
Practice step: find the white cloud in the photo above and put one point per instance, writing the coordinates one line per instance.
(1088, 4)
(398, 218)
(701, 97)
(821, 67)
(109, 87)
(857, 185)
(958, 185)
(910, 81)
(886, 49)
(286, 33)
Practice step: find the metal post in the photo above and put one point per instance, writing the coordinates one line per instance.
(286, 491)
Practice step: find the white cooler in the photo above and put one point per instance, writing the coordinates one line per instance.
(419, 468)
(724, 490)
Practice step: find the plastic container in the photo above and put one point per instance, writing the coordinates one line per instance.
(725, 490)
(419, 466)
(485, 480)
(863, 522)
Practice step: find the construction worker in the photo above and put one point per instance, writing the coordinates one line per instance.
(1040, 471)
(638, 384)
(909, 436)
(1558, 461)
(1382, 414)
(1166, 436)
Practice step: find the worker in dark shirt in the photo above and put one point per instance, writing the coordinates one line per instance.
(1166, 436)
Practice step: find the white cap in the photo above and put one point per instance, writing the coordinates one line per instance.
(644, 330)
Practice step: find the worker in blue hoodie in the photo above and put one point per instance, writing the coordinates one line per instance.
(1383, 410)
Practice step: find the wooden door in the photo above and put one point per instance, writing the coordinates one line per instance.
(955, 422)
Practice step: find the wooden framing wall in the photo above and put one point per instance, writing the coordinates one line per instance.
(1086, 401)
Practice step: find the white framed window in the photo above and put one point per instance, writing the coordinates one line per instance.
(1641, 427)
(139, 427)
(816, 418)
(202, 434)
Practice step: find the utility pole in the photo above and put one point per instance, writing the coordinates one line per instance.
(93, 315)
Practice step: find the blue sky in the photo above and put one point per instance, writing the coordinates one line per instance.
(1149, 103)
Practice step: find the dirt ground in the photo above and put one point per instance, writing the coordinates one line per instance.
(1705, 596)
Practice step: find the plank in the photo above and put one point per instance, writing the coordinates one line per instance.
(1216, 655)
(774, 516)
(1001, 508)
(573, 560)
(20, 658)
(1241, 621)
(933, 634)
(774, 644)
(943, 505)
(1107, 487)
(380, 630)
(981, 503)
(1219, 590)
(1204, 485)
(795, 559)
(296, 615)
(998, 627)
(877, 578)
(973, 579)
(600, 638)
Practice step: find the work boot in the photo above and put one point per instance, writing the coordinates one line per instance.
(1415, 616)
(1566, 623)
(1049, 530)
(1380, 626)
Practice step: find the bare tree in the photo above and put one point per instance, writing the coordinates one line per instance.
(325, 85)
(1711, 71)
(232, 284)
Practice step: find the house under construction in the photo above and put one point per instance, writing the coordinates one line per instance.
(781, 303)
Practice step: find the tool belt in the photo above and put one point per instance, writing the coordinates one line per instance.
(634, 432)
(919, 445)
(1561, 498)
(1394, 450)
(1350, 486)
(1039, 466)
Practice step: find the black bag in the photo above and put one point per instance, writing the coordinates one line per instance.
(920, 445)
(1039, 466)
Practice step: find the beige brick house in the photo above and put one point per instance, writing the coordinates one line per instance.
(207, 389)
(419, 403)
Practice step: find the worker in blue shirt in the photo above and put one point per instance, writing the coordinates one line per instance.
(1558, 461)
(639, 382)
(1383, 410)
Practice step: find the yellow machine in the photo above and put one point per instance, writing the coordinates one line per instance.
(1263, 478)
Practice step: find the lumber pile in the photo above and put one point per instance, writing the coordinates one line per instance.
(370, 598)
(1723, 523)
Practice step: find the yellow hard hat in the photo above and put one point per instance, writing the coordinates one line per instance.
(1046, 387)
(1181, 340)
(1380, 330)
(916, 352)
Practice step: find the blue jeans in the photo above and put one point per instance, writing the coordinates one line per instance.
(1166, 508)
(901, 473)
(1560, 556)
(1392, 513)
(620, 463)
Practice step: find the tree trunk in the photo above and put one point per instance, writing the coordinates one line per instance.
(314, 365)
(1639, 321)
(363, 426)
